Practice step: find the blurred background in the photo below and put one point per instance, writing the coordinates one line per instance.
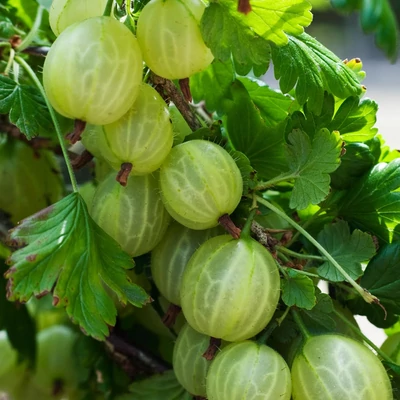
(342, 34)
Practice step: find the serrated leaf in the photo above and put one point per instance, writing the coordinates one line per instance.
(348, 249)
(264, 146)
(310, 164)
(298, 290)
(319, 315)
(224, 35)
(68, 254)
(355, 120)
(382, 276)
(357, 161)
(274, 106)
(212, 85)
(372, 204)
(158, 387)
(22, 102)
(306, 64)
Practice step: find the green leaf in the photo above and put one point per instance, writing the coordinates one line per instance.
(298, 290)
(26, 107)
(310, 164)
(319, 316)
(18, 323)
(349, 250)
(68, 254)
(6, 26)
(158, 387)
(382, 276)
(313, 69)
(264, 146)
(372, 204)
(355, 120)
(274, 107)
(246, 170)
(357, 161)
(213, 84)
(224, 35)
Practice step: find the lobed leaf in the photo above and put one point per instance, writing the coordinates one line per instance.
(372, 204)
(306, 64)
(225, 37)
(298, 290)
(348, 249)
(21, 102)
(69, 255)
(310, 164)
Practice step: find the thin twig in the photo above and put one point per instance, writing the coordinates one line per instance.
(179, 100)
(137, 356)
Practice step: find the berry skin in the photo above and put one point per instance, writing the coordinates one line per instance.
(175, 49)
(230, 288)
(93, 71)
(200, 182)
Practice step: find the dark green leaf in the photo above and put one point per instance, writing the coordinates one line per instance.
(213, 84)
(357, 161)
(158, 387)
(68, 254)
(313, 69)
(18, 323)
(374, 313)
(320, 316)
(298, 290)
(382, 276)
(274, 107)
(22, 102)
(373, 203)
(6, 26)
(349, 250)
(224, 35)
(310, 163)
(264, 146)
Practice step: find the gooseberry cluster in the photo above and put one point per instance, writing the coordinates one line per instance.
(165, 194)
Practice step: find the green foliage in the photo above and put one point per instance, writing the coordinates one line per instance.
(348, 249)
(298, 290)
(320, 193)
(371, 204)
(306, 64)
(310, 163)
(67, 254)
(21, 102)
